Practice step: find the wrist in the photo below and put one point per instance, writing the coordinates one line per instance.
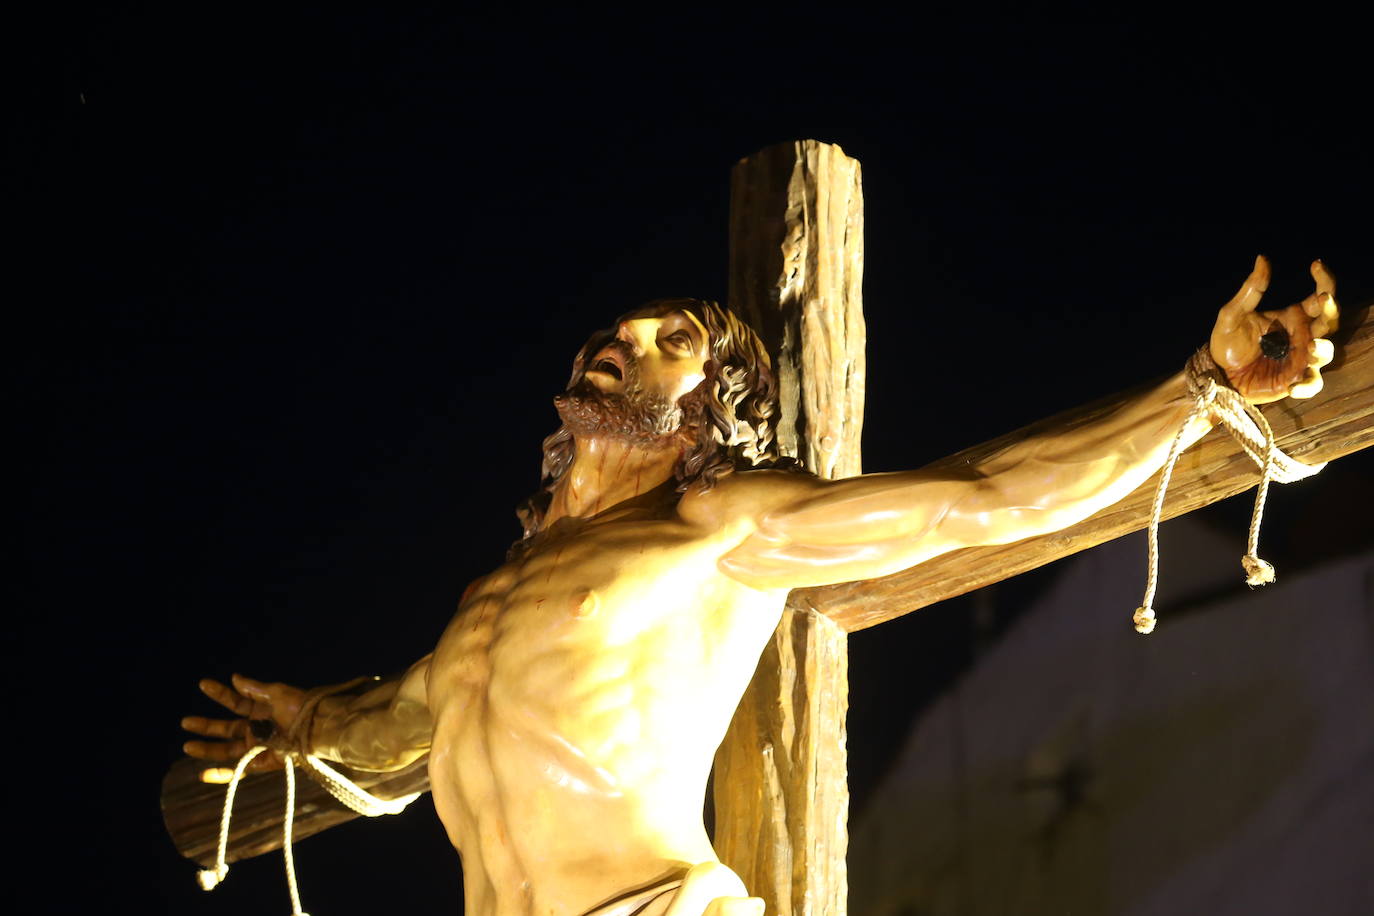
(1201, 369)
(316, 726)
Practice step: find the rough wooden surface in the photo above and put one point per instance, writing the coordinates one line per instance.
(191, 809)
(781, 792)
(796, 268)
(1336, 422)
(782, 796)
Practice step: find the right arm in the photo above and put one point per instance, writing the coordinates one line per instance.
(383, 729)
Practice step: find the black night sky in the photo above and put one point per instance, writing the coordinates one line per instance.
(305, 285)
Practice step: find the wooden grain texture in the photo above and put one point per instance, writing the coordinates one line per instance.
(1336, 422)
(781, 792)
(191, 809)
(796, 271)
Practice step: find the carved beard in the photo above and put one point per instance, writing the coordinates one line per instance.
(631, 416)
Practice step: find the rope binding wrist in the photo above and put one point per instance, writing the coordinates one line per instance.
(1212, 393)
(294, 747)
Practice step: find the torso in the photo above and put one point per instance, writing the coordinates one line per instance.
(578, 696)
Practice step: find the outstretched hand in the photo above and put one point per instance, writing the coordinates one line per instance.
(1268, 356)
(254, 702)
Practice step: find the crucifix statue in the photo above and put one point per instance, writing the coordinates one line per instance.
(706, 469)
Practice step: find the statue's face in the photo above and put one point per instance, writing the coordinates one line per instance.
(660, 351)
(633, 385)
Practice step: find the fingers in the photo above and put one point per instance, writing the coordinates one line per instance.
(225, 697)
(234, 729)
(1324, 313)
(1311, 384)
(1320, 353)
(1247, 298)
(1321, 305)
(216, 728)
(229, 698)
(279, 702)
(256, 690)
(1322, 277)
(249, 699)
(215, 750)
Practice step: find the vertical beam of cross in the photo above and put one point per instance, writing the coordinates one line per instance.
(796, 267)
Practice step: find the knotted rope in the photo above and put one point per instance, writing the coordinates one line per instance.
(293, 751)
(1247, 425)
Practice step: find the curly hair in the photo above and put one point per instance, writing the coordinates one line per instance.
(734, 410)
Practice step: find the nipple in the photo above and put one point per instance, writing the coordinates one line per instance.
(584, 603)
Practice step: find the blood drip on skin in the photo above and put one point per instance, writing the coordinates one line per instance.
(557, 555)
(601, 480)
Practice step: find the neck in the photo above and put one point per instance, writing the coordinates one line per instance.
(607, 472)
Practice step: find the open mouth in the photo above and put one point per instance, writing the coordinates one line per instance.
(609, 362)
(609, 367)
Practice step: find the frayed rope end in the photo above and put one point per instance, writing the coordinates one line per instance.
(1144, 618)
(1257, 571)
(211, 877)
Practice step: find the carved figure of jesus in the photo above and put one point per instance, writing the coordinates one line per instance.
(572, 707)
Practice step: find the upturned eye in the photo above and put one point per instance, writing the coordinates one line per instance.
(681, 340)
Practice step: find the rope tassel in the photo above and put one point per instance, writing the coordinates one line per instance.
(1248, 426)
(338, 785)
(211, 877)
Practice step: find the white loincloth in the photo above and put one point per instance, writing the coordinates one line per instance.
(706, 888)
(636, 901)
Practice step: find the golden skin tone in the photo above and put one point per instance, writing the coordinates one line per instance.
(572, 707)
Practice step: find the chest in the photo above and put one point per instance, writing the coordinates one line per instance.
(596, 586)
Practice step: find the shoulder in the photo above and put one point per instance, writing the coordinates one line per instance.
(743, 495)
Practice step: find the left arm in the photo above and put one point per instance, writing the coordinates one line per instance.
(811, 532)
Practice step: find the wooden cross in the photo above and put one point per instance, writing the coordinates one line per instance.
(781, 795)
(796, 251)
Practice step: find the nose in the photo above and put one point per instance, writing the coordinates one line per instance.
(632, 333)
